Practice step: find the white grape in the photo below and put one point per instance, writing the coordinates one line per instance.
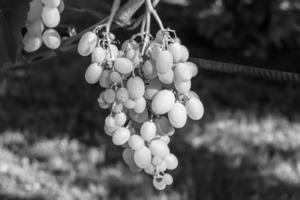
(163, 102)
(87, 43)
(139, 117)
(142, 157)
(51, 39)
(150, 169)
(182, 87)
(140, 105)
(102, 102)
(104, 79)
(183, 72)
(136, 87)
(93, 73)
(148, 130)
(194, 108)
(129, 104)
(98, 55)
(177, 115)
(135, 142)
(156, 160)
(122, 95)
(149, 69)
(176, 51)
(162, 166)
(51, 3)
(109, 95)
(127, 156)
(159, 148)
(110, 122)
(32, 43)
(159, 184)
(184, 54)
(123, 65)
(118, 107)
(168, 179)
(35, 10)
(50, 16)
(115, 77)
(36, 27)
(166, 78)
(120, 118)
(121, 136)
(163, 125)
(61, 6)
(114, 52)
(165, 138)
(193, 68)
(172, 161)
(164, 62)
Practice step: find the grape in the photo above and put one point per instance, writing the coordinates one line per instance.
(194, 108)
(164, 62)
(152, 89)
(110, 122)
(168, 179)
(163, 125)
(150, 169)
(109, 95)
(183, 72)
(140, 105)
(61, 6)
(87, 43)
(159, 183)
(121, 136)
(142, 157)
(115, 77)
(51, 39)
(184, 54)
(149, 69)
(122, 95)
(139, 118)
(155, 50)
(118, 107)
(98, 55)
(133, 55)
(156, 160)
(176, 51)
(135, 142)
(162, 166)
(182, 87)
(163, 102)
(193, 94)
(172, 161)
(50, 16)
(123, 65)
(129, 104)
(171, 131)
(159, 37)
(165, 138)
(102, 102)
(104, 79)
(92, 73)
(166, 78)
(136, 87)
(193, 68)
(159, 148)
(109, 130)
(148, 130)
(32, 43)
(114, 52)
(127, 156)
(36, 27)
(51, 3)
(177, 115)
(120, 118)
(35, 10)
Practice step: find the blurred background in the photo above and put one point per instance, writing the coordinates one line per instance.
(247, 146)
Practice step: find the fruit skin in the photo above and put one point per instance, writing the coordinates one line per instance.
(164, 62)
(50, 16)
(194, 108)
(136, 87)
(177, 115)
(148, 130)
(159, 148)
(93, 73)
(176, 51)
(166, 78)
(121, 136)
(183, 72)
(163, 102)
(123, 65)
(51, 3)
(149, 69)
(142, 157)
(98, 55)
(87, 43)
(184, 54)
(51, 39)
(183, 87)
(32, 43)
(172, 161)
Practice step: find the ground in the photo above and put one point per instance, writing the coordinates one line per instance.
(52, 144)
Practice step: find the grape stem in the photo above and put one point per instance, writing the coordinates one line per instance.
(154, 13)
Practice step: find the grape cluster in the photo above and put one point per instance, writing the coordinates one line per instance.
(147, 88)
(42, 18)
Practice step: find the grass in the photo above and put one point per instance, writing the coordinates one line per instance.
(52, 144)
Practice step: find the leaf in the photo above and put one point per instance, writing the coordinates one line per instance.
(13, 15)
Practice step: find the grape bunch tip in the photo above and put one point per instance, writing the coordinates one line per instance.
(148, 94)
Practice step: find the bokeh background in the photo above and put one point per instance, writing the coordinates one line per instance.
(247, 146)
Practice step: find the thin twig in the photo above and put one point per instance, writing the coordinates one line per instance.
(154, 13)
